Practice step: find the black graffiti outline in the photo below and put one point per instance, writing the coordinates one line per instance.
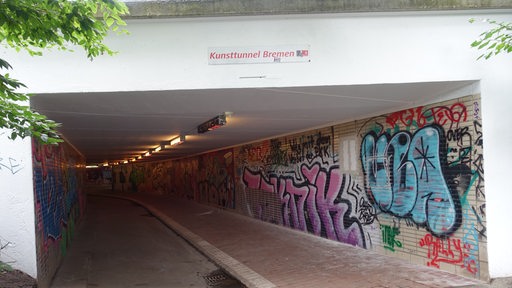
(291, 216)
(425, 159)
(423, 152)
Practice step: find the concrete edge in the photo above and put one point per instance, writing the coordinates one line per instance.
(235, 268)
(227, 8)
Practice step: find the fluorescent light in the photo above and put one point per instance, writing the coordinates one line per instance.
(177, 140)
(212, 124)
(91, 166)
(157, 149)
(147, 154)
(125, 162)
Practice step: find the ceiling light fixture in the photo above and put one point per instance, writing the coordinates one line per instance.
(212, 124)
(175, 141)
(178, 140)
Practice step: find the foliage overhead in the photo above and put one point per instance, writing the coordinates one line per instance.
(36, 25)
(494, 41)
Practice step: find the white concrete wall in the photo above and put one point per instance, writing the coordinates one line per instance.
(496, 89)
(17, 205)
(346, 49)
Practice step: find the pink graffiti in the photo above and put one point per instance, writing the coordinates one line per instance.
(449, 250)
(318, 199)
(420, 117)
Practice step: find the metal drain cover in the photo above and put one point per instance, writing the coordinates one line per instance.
(219, 278)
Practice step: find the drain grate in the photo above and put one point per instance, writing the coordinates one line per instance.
(221, 279)
(216, 278)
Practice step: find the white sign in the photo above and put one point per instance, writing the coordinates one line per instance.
(258, 55)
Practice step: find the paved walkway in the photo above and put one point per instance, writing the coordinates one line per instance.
(121, 245)
(264, 255)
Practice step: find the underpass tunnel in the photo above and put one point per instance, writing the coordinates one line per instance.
(365, 129)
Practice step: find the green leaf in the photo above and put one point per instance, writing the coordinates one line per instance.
(495, 40)
(483, 45)
(109, 21)
(475, 43)
(4, 64)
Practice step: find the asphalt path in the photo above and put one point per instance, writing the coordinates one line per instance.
(119, 244)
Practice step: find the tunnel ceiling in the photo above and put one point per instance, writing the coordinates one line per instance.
(114, 126)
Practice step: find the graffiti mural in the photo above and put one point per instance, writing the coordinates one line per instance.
(404, 176)
(58, 192)
(184, 179)
(424, 166)
(315, 205)
(216, 178)
(303, 187)
(49, 193)
(408, 183)
(58, 175)
(136, 177)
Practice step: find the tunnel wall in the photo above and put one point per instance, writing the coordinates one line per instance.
(17, 235)
(408, 184)
(58, 175)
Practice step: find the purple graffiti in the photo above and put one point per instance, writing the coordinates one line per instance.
(314, 204)
(404, 176)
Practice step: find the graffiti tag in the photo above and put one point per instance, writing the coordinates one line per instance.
(389, 237)
(420, 117)
(315, 204)
(11, 165)
(449, 250)
(403, 175)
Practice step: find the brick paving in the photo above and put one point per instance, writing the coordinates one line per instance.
(264, 255)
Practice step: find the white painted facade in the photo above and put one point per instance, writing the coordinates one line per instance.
(17, 223)
(346, 49)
